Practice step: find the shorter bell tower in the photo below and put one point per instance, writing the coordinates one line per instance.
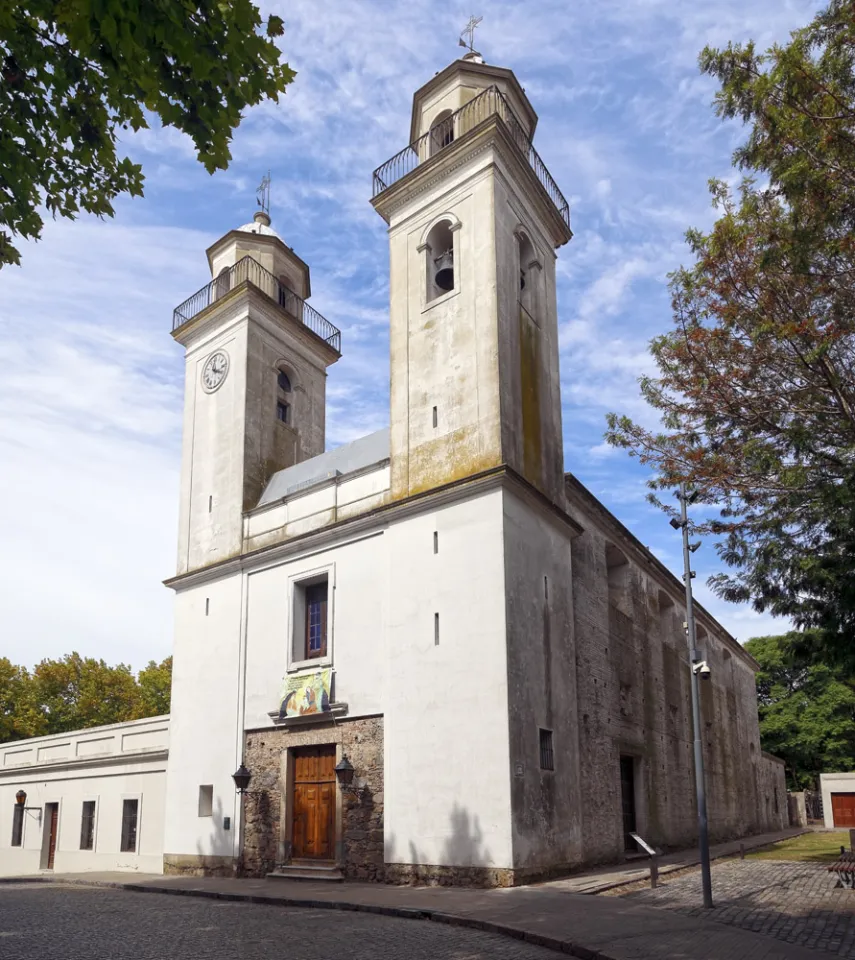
(255, 385)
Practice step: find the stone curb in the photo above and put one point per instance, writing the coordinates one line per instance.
(405, 913)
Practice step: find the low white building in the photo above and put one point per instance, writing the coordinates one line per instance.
(838, 799)
(437, 610)
(89, 800)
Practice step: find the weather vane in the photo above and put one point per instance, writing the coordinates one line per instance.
(470, 30)
(263, 193)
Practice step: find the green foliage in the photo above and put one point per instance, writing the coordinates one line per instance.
(76, 692)
(807, 708)
(756, 382)
(75, 73)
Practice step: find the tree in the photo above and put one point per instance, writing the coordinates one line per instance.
(756, 382)
(73, 75)
(77, 692)
(155, 683)
(19, 715)
(807, 709)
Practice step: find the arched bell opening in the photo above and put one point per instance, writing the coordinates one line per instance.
(222, 284)
(440, 260)
(441, 132)
(528, 273)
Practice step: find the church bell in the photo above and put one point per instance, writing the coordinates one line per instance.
(444, 277)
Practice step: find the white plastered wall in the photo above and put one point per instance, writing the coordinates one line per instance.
(447, 794)
(205, 742)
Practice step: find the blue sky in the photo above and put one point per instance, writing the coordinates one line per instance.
(91, 392)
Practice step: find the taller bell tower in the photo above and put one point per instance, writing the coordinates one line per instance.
(474, 219)
(255, 385)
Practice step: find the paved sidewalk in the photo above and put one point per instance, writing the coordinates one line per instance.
(604, 878)
(592, 928)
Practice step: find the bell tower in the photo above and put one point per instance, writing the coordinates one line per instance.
(255, 385)
(474, 219)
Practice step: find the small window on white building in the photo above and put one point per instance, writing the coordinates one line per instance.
(87, 826)
(17, 824)
(440, 261)
(130, 818)
(310, 628)
(206, 800)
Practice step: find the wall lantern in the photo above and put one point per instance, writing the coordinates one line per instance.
(241, 777)
(344, 774)
(21, 798)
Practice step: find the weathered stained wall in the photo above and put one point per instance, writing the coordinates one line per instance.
(634, 700)
(545, 804)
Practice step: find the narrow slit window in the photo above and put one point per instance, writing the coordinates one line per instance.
(547, 759)
(436, 629)
(87, 826)
(435, 542)
(435, 417)
(130, 815)
(546, 588)
(210, 503)
(207, 606)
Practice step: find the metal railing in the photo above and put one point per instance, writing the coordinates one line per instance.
(492, 102)
(251, 271)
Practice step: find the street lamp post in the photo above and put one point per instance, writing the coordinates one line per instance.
(697, 666)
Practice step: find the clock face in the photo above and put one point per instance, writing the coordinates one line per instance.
(215, 370)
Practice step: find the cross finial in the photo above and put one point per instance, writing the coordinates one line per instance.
(469, 30)
(263, 194)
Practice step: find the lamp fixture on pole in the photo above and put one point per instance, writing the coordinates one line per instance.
(698, 667)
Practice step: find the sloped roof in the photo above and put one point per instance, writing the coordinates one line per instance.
(345, 459)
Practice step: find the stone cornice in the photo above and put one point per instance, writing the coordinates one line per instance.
(30, 771)
(352, 529)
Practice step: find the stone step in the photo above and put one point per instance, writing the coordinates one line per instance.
(304, 871)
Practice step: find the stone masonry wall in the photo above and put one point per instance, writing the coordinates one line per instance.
(634, 700)
(359, 828)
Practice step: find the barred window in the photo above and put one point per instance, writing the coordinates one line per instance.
(547, 760)
(87, 826)
(130, 812)
(17, 825)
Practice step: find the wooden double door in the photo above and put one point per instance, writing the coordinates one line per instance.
(313, 836)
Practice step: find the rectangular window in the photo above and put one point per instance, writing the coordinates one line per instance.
(547, 760)
(130, 811)
(283, 411)
(316, 620)
(206, 800)
(87, 826)
(17, 825)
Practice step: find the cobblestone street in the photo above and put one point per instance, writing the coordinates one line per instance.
(795, 902)
(87, 923)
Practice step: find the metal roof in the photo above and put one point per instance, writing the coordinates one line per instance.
(348, 458)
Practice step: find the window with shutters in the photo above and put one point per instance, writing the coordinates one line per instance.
(87, 826)
(130, 824)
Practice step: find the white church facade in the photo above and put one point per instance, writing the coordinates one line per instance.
(433, 652)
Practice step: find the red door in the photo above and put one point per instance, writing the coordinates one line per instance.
(843, 809)
(314, 804)
(54, 817)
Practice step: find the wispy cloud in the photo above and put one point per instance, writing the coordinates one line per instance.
(92, 389)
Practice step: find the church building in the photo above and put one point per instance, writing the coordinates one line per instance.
(427, 655)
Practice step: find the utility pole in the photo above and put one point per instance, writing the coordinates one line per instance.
(695, 664)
